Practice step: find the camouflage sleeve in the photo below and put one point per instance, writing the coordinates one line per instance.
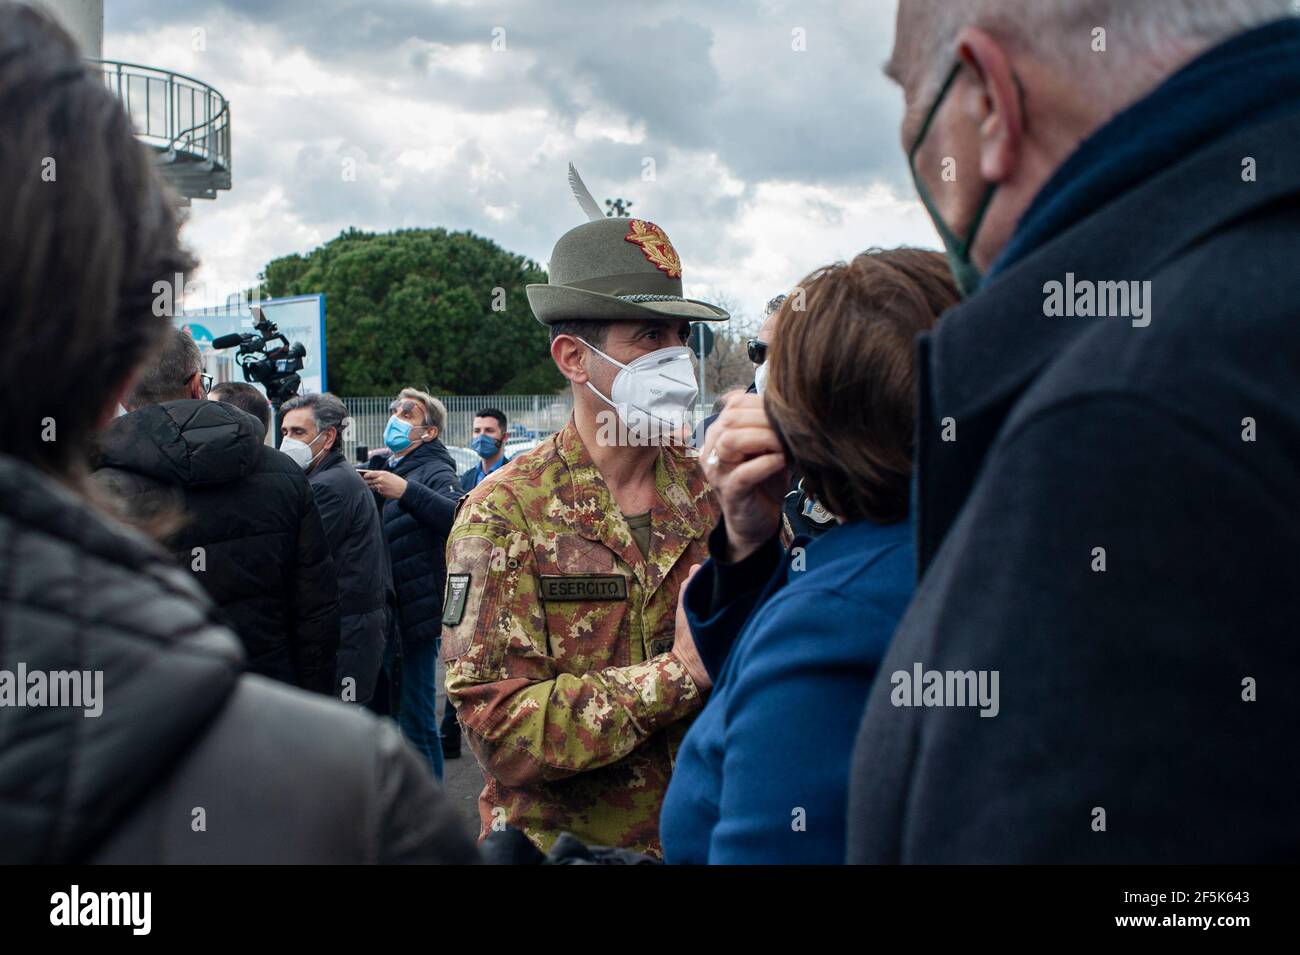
(526, 720)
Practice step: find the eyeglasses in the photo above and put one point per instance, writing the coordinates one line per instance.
(406, 406)
(757, 350)
(206, 382)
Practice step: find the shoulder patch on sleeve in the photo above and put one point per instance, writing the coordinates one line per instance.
(471, 589)
(453, 601)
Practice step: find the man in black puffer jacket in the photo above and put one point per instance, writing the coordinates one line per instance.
(312, 428)
(176, 755)
(421, 488)
(249, 527)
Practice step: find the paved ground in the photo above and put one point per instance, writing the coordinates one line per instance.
(461, 778)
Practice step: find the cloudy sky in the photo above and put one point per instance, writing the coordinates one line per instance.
(768, 161)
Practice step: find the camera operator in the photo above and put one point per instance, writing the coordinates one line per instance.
(248, 528)
(420, 488)
(312, 434)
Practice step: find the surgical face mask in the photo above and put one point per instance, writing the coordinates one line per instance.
(485, 445)
(964, 271)
(397, 435)
(654, 394)
(760, 378)
(300, 451)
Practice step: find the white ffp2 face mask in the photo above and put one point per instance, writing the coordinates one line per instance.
(760, 378)
(655, 393)
(299, 451)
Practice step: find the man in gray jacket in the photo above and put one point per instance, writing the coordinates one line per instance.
(312, 434)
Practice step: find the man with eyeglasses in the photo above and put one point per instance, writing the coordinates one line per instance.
(420, 488)
(236, 513)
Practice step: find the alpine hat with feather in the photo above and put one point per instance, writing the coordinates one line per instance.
(612, 270)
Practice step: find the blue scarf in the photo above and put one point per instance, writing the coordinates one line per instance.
(1248, 80)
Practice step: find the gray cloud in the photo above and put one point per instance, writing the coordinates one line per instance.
(715, 90)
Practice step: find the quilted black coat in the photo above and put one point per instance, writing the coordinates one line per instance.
(186, 760)
(250, 530)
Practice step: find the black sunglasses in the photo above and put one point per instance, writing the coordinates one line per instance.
(757, 350)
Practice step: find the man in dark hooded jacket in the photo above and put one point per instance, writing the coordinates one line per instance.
(248, 529)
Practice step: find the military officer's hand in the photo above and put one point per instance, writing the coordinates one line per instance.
(743, 460)
(385, 483)
(684, 643)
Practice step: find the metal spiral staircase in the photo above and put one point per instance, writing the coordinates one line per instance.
(183, 120)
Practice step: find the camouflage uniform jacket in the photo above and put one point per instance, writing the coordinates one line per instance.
(557, 635)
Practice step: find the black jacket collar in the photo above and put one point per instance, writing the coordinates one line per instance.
(425, 454)
(333, 459)
(984, 354)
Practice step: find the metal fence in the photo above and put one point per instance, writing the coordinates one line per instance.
(533, 416)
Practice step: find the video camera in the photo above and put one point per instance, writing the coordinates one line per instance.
(274, 368)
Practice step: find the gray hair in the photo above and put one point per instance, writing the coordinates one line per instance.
(167, 377)
(327, 410)
(1156, 33)
(435, 412)
(773, 305)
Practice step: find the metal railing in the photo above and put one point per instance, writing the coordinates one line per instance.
(172, 112)
(533, 416)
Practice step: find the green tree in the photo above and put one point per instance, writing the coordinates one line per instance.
(440, 310)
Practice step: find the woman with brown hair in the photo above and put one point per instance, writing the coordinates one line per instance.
(792, 640)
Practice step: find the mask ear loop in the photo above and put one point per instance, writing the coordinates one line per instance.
(612, 361)
(959, 246)
(591, 387)
(950, 238)
(319, 435)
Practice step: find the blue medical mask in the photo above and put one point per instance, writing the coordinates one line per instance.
(397, 435)
(485, 445)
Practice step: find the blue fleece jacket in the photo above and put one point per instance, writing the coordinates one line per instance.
(762, 776)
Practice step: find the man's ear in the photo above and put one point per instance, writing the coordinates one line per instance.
(570, 356)
(332, 439)
(992, 99)
(196, 386)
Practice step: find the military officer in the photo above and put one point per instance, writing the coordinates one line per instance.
(563, 570)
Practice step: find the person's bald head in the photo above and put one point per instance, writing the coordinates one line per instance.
(1148, 38)
(1039, 77)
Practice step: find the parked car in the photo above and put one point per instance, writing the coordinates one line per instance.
(465, 458)
(517, 446)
